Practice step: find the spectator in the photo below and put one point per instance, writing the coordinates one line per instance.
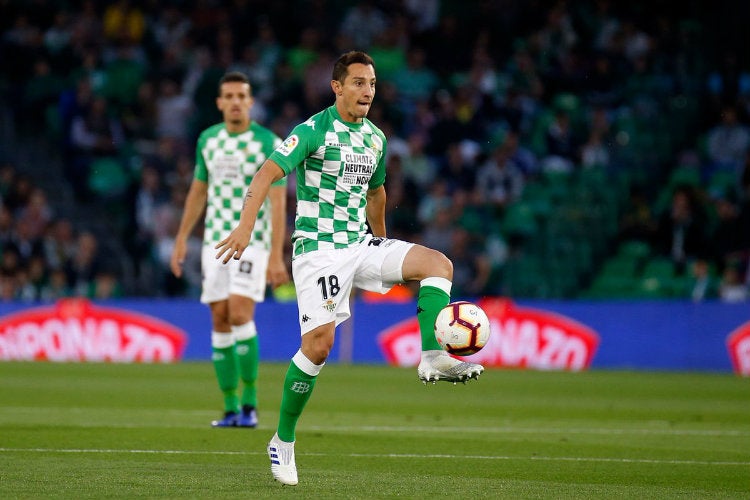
(728, 143)
(703, 283)
(733, 288)
(499, 180)
(681, 231)
(173, 111)
(59, 243)
(362, 23)
(36, 213)
(415, 82)
(94, 134)
(85, 264)
(471, 266)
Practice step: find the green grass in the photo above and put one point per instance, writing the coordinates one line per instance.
(142, 431)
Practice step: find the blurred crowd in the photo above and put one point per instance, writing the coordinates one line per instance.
(479, 100)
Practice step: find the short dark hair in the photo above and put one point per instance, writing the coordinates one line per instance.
(234, 76)
(341, 68)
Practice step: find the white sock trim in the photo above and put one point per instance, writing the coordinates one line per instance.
(222, 340)
(441, 283)
(244, 332)
(307, 366)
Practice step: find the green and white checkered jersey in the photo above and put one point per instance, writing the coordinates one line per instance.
(336, 162)
(227, 162)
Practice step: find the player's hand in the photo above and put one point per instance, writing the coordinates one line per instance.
(232, 246)
(178, 257)
(277, 273)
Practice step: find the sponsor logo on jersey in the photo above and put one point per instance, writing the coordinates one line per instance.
(358, 168)
(288, 145)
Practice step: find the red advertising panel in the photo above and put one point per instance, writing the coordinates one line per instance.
(738, 343)
(521, 338)
(77, 330)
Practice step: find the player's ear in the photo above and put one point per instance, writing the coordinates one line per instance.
(218, 103)
(336, 87)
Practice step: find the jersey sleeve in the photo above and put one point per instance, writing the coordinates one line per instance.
(276, 143)
(201, 171)
(295, 148)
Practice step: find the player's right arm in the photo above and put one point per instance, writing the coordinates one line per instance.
(234, 245)
(195, 204)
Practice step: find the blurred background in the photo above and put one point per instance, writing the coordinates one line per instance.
(554, 150)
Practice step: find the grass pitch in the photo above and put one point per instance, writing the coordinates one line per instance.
(142, 431)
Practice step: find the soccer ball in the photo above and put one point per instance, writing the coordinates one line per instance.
(462, 328)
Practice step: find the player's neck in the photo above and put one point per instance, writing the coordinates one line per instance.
(347, 117)
(237, 127)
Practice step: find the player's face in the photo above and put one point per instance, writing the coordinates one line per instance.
(235, 103)
(354, 96)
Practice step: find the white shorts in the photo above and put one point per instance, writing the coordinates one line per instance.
(245, 277)
(324, 278)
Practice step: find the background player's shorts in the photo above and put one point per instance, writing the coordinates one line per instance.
(245, 277)
(324, 278)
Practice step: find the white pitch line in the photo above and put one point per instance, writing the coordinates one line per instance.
(533, 430)
(389, 455)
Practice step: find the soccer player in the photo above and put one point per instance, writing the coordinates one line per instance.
(339, 157)
(228, 155)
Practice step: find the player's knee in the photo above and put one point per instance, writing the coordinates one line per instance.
(318, 354)
(239, 318)
(441, 266)
(317, 345)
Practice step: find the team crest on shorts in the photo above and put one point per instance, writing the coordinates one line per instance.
(329, 305)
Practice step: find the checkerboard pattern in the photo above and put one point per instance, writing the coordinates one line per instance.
(227, 163)
(336, 162)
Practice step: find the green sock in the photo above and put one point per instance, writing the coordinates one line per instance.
(429, 303)
(247, 356)
(298, 387)
(225, 366)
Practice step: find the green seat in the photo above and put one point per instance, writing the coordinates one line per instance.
(659, 268)
(519, 219)
(108, 177)
(688, 175)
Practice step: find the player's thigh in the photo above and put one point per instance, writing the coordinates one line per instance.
(380, 265)
(214, 277)
(323, 281)
(422, 262)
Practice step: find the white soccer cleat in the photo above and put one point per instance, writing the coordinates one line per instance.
(283, 467)
(438, 365)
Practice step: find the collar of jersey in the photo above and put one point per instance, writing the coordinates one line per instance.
(349, 124)
(233, 134)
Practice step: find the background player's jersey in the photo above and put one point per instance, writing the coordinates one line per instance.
(336, 162)
(227, 162)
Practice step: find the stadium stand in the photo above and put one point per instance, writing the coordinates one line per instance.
(584, 119)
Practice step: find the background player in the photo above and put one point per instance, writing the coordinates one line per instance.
(228, 155)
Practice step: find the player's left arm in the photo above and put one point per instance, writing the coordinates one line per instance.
(277, 271)
(375, 210)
